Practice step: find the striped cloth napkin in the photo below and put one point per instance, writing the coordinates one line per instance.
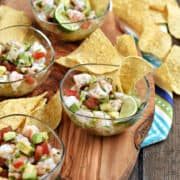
(163, 115)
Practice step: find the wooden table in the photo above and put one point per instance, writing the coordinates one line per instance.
(158, 162)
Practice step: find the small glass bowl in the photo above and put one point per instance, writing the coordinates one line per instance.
(87, 26)
(54, 140)
(22, 87)
(102, 126)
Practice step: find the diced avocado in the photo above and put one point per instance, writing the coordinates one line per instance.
(82, 96)
(25, 148)
(105, 107)
(24, 59)
(114, 114)
(39, 137)
(9, 136)
(74, 107)
(30, 172)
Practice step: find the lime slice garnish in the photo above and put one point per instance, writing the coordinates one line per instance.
(64, 21)
(129, 107)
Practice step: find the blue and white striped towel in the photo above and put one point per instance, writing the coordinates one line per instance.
(163, 115)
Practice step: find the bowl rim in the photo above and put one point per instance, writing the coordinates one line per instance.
(51, 130)
(119, 120)
(81, 21)
(51, 62)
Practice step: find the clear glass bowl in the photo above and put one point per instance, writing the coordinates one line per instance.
(54, 140)
(23, 87)
(102, 126)
(80, 34)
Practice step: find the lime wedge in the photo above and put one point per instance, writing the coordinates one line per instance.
(129, 107)
(64, 21)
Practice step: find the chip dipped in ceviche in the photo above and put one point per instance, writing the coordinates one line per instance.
(28, 153)
(97, 104)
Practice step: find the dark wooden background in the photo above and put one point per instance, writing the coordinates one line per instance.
(162, 161)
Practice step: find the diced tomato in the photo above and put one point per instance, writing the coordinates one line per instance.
(41, 150)
(38, 55)
(85, 25)
(45, 148)
(4, 130)
(91, 103)
(18, 163)
(71, 93)
(29, 79)
(38, 153)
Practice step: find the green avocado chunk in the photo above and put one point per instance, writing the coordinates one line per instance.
(74, 107)
(25, 148)
(39, 137)
(30, 172)
(9, 136)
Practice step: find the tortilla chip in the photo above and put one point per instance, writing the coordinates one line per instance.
(126, 45)
(157, 4)
(162, 77)
(95, 49)
(9, 17)
(158, 17)
(19, 106)
(173, 64)
(133, 12)
(50, 113)
(99, 6)
(132, 69)
(154, 41)
(174, 20)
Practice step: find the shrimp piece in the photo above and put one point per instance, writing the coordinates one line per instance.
(75, 15)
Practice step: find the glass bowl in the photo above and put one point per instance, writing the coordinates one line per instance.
(102, 126)
(22, 87)
(20, 120)
(87, 26)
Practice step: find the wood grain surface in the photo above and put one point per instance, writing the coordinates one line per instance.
(90, 157)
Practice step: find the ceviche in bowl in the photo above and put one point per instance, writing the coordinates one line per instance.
(71, 20)
(95, 103)
(24, 62)
(31, 150)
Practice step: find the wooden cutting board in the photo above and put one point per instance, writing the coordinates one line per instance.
(90, 157)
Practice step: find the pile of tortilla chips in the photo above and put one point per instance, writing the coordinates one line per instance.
(98, 49)
(151, 20)
(49, 112)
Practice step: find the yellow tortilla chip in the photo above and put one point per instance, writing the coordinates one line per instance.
(155, 42)
(95, 49)
(99, 6)
(174, 20)
(9, 17)
(158, 17)
(51, 112)
(133, 12)
(173, 64)
(162, 77)
(157, 4)
(132, 69)
(19, 106)
(126, 45)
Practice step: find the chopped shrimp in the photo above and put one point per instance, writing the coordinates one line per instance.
(28, 131)
(75, 15)
(6, 151)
